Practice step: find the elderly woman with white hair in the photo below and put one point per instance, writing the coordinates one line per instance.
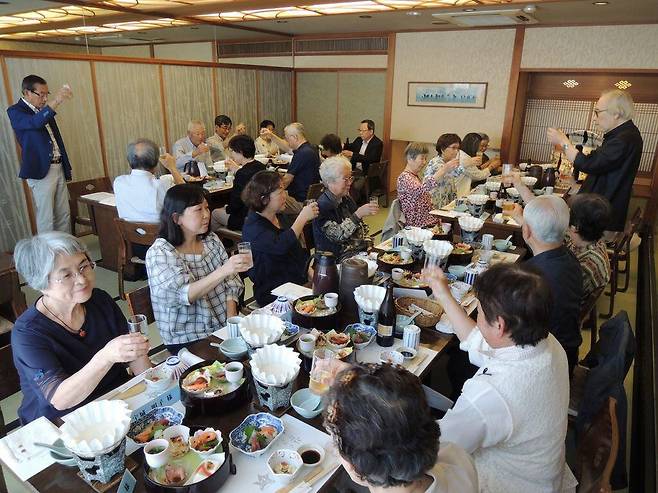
(72, 345)
(340, 228)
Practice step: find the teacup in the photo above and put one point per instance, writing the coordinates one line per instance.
(307, 343)
(397, 273)
(331, 300)
(234, 371)
(405, 254)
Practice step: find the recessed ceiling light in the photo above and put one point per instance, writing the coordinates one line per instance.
(413, 13)
(469, 10)
(600, 3)
(365, 17)
(571, 83)
(623, 84)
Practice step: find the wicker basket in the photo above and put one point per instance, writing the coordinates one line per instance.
(403, 303)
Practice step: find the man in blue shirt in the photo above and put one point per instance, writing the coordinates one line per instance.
(304, 170)
(44, 162)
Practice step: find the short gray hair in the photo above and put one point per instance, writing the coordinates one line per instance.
(35, 257)
(195, 123)
(547, 216)
(295, 128)
(143, 154)
(415, 149)
(331, 167)
(620, 103)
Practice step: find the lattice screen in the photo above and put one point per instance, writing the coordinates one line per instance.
(577, 115)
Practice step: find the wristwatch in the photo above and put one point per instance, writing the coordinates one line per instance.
(565, 147)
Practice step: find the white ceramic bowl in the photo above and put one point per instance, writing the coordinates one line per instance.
(175, 431)
(205, 453)
(331, 300)
(457, 271)
(261, 329)
(478, 199)
(391, 357)
(529, 181)
(159, 459)
(301, 396)
(234, 371)
(407, 353)
(284, 456)
(157, 379)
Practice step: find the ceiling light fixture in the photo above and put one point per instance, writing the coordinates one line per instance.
(623, 84)
(413, 13)
(600, 4)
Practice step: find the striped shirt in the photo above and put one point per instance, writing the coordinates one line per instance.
(170, 274)
(595, 267)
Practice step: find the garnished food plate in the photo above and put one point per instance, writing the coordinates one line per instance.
(256, 433)
(393, 258)
(153, 424)
(209, 381)
(314, 307)
(411, 280)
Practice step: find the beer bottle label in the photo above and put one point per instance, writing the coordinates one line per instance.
(384, 330)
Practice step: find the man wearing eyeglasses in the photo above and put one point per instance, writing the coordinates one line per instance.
(611, 168)
(44, 162)
(219, 140)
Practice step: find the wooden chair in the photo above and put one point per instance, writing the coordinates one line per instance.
(9, 385)
(619, 251)
(229, 238)
(597, 451)
(139, 302)
(376, 181)
(132, 233)
(314, 191)
(77, 189)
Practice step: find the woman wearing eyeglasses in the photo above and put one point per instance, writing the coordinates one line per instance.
(72, 345)
(340, 228)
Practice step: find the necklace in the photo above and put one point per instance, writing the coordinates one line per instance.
(80, 333)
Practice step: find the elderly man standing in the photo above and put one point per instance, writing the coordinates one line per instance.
(611, 168)
(193, 147)
(304, 169)
(44, 162)
(544, 224)
(218, 142)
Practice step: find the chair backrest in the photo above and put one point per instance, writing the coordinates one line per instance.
(597, 451)
(78, 188)
(394, 222)
(377, 170)
(139, 302)
(9, 381)
(314, 191)
(137, 233)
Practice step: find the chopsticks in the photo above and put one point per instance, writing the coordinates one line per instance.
(136, 389)
(416, 364)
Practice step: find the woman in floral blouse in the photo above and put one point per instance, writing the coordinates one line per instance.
(447, 147)
(194, 285)
(414, 194)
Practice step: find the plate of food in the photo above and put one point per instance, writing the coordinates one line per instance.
(339, 342)
(153, 424)
(210, 381)
(361, 334)
(461, 254)
(411, 280)
(314, 307)
(207, 472)
(204, 389)
(256, 433)
(311, 312)
(390, 259)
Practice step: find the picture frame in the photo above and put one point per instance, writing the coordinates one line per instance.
(447, 94)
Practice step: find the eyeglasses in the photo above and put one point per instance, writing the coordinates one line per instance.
(84, 270)
(597, 111)
(348, 179)
(42, 96)
(454, 147)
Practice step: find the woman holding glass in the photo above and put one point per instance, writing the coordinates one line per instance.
(194, 285)
(447, 148)
(278, 255)
(72, 345)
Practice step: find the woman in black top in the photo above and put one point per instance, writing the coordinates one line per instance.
(278, 255)
(243, 150)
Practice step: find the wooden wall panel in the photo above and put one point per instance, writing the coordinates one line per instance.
(188, 96)
(360, 96)
(317, 101)
(129, 99)
(274, 96)
(14, 219)
(236, 90)
(76, 118)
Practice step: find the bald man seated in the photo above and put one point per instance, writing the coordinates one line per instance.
(193, 147)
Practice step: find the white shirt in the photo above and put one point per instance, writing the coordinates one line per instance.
(453, 472)
(512, 416)
(183, 149)
(139, 196)
(362, 151)
(216, 144)
(56, 152)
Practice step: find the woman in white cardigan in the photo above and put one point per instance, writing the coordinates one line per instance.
(512, 415)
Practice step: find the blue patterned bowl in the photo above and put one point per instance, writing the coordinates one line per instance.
(352, 329)
(239, 439)
(291, 330)
(139, 424)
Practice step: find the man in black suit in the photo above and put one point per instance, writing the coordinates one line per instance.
(366, 149)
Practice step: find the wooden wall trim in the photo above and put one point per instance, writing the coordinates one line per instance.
(388, 100)
(163, 105)
(215, 92)
(26, 190)
(337, 101)
(99, 120)
(258, 113)
(350, 69)
(594, 70)
(149, 61)
(512, 89)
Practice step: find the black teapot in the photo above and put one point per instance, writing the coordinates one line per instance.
(325, 273)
